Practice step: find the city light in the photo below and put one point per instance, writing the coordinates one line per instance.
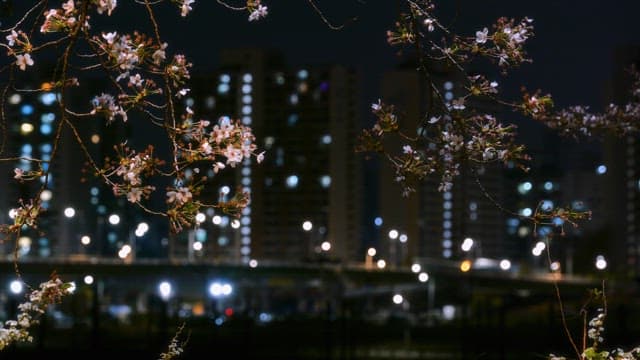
(555, 266)
(26, 128)
(537, 250)
(505, 264)
(403, 238)
(143, 226)
(307, 225)
(88, 279)
(465, 266)
(72, 287)
(381, 264)
(325, 246)
(125, 250)
(398, 299)
(197, 246)
(216, 220)
(371, 252)
(85, 240)
(114, 219)
(467, 244)
(416, 268)
(235, 224)
(253, 263)
(46, 195)
(16, 287)
(601, 262)
(217, 289)
(448, 312)
(69, 212)
(164, 288)
(423, 277)
(393, 234)
(200, 218)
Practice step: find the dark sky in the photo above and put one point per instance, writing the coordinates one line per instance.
(572, 49)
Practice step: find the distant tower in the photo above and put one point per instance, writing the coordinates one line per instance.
(306, 119)
(435, 223)
(622, 157)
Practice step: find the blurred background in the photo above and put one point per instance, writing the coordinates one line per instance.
(329, 260)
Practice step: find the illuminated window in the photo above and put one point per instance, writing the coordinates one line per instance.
(292, 181)
(325, 181)
(48, 98)
(303, 74)
(46, 129)
(223, 88)
(26, 110)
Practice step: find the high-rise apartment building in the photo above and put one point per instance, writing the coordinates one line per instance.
(430, 223)
(622, 159)
(306, 196)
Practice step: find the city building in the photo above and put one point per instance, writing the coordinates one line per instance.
(430, 224)
(622, 161)
(306, 197)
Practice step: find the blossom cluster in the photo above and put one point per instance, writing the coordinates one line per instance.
(594, 333)
(451, 134)
(176, 346)
(147, 83)
(132, 168)
(576, 121)
(441, 146)
(48, 293)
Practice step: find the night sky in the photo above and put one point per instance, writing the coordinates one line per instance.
(572, 49)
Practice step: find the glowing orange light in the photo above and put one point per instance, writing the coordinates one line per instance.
(465, 266)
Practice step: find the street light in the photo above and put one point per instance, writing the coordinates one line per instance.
(164, 288)
(16, 287)
(467, 244)
(601, 262)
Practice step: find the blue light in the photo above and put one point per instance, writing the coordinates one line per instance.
(223, 88)
(47, 117)
(544, 230)
(548, 186)
(292, 181)
(546, 205)
(45, 129)
(48, 98)
(26, 149)
(377, 221)
(26, 110)
(601, 169)
(45, 148)
(201, 235)
(293, 119)
(303, 74)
